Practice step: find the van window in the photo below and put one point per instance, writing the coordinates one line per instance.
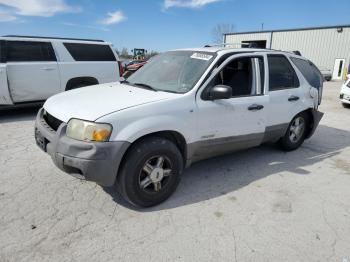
(281, 73)
(309, 71)
(27, 51)
(90, 52)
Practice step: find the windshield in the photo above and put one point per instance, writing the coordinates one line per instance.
(175, 71)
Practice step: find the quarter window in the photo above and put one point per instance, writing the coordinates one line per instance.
(281, 73)
(29, 51)
(90, 52)
(309, 71)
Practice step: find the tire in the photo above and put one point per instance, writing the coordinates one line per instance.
(295, 134)
(144, 179)
(345, 105)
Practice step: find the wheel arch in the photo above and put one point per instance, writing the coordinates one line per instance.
(314, 118)
(174, 136)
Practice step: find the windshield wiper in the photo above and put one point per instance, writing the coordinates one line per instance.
(170, 91)
(142, 85)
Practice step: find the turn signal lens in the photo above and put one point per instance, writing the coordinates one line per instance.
(101, 135)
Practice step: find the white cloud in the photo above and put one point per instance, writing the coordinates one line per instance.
(42, 8)
(187, 3)
(113, 18)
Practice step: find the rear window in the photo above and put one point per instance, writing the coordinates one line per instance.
(90, 52)
(309, 71)
(27, 51)
(281, 73)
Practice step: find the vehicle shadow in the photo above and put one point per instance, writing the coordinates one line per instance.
(221, 175)
(18, 114)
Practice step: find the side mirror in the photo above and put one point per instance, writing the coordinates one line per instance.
(220, 92)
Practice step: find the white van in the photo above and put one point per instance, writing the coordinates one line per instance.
(33, 69)
(181, 107)
(345, 93)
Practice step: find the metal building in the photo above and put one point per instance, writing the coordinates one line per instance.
(328, 47)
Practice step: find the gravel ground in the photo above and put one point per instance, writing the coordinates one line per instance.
(257, 205)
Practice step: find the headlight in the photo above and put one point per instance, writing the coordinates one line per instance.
(88, 131)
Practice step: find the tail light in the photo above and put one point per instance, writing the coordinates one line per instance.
(121, 69)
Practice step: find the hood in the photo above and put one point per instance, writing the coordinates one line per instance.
(93, 102)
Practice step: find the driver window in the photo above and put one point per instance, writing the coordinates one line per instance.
(239, 75)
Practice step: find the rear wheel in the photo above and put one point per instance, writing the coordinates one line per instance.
(345, 105)
(150, 172)
(296, 132)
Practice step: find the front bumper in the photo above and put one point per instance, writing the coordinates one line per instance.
(93, 161)
(345, 98)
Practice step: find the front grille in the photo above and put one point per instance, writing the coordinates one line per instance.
(52, 121)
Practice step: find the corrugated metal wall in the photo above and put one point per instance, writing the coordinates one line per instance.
(322, 46)
(248, 37)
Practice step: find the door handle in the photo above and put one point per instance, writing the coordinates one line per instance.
(47, 68)
(293, 98)
(255, 107)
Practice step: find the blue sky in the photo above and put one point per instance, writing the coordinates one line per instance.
(162, 24)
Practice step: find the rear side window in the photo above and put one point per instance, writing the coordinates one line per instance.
(309, 71)
(2, 51)
(90, 52)
(281, 73)
(27, 51)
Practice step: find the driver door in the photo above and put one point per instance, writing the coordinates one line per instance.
(238, 122)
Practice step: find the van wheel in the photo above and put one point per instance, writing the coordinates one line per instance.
(345, 105)
(296, 132)
(151, 172)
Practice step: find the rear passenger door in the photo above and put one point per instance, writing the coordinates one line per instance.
(32, 70)
(284, 92)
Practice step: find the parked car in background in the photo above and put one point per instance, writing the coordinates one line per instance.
(181, 107)
(327, 74)
(34, 68)
(345, 92)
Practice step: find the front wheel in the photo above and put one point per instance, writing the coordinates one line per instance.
(150, 172)
(296, 132)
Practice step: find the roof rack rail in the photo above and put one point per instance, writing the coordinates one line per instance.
(228, 44)
(251, 45)
(60, 38)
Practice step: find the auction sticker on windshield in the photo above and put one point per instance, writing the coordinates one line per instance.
(201, 56)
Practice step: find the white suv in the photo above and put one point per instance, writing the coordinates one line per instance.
(181, 107)
(33, 69)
